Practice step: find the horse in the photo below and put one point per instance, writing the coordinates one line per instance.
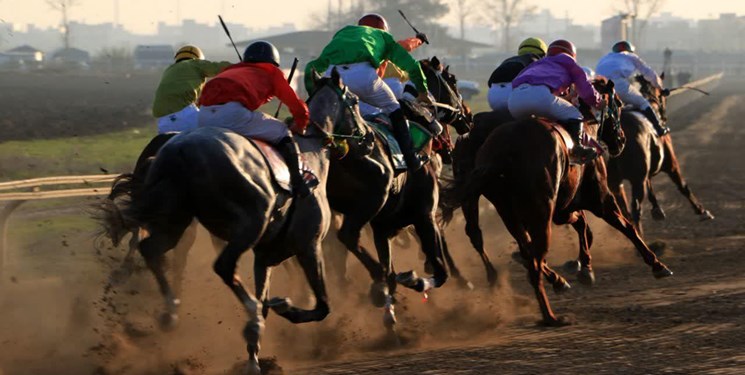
(523, 169)
(224, 181)
(647, 155)
(366, 189)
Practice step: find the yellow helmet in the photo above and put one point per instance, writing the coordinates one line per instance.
(532, 45)
(189, 52)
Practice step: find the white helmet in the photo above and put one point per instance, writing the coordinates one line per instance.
(589, 72)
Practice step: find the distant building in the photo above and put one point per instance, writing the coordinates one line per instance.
(153, 56)
(24, 57)
(72, 58)
(614, 29)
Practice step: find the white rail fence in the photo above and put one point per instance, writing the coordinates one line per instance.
(101, 182)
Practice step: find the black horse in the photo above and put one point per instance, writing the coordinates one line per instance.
(223, 180)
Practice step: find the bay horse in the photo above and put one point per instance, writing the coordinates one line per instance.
(647, 155)
(366, 189)
(224, 181)
(523, 169)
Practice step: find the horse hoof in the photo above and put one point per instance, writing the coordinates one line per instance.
(562, 287)
(168, 322)
(279, 305)
(252, 368)
(389, 318)
(572, 266)
(662, 272)
(706, 215)
(379, 294)
(561, 321)
(586, 276)
(658, 214)
(465, 284)
(408, 279)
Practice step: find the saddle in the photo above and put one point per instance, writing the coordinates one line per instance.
(381, 124)
(278, 167)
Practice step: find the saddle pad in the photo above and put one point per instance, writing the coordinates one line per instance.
(279, 168)
(419, 136)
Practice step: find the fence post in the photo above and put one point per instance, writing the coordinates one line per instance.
(4, 218)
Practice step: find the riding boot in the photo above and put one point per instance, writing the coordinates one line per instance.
(579, 154)
(401, 133)
(650, 114)
(291, 153)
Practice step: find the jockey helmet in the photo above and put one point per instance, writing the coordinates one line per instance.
(624, 46)
(562, 46)
(373, 20)
(261, 51)
(189, 52)
(535, 46)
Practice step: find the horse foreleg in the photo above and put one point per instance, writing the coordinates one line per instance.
(429, 236)
(311, 260)
(349, 234)
(382, 294)
(638, 192)
(610, 212)
(262, 276)
(620, 194)
(585, 275)
(657, 212)
(470, 210)
(538, 248)
(153, 249)
(462, 281)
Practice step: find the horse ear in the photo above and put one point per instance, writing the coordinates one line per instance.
(335, 77)
(662, 76)
(610, 85)
(435, 62)
(447, 69)
(316, 77)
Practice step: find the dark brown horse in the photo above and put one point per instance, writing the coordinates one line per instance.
(645, 156)
(523, 169)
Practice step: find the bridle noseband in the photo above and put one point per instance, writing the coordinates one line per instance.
(334, 140)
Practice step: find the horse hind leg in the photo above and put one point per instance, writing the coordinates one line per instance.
(538, 247)
(677, 178)
(657, 212)
(180, 255)
(473, 230)
(462, 281)
(125, 270)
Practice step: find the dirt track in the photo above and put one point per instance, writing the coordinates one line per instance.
(53, 319)
(630, 322)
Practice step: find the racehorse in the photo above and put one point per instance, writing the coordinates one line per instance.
(523, 169)
(366, 189)
(224, 181)
(645, 156)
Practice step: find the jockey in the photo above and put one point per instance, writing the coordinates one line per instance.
(231, 100)
(179, 88)
(500, 87)
(536, 91)
(357, 51)
(619, 66)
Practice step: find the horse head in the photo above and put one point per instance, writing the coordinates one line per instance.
(443, 85)
(610, 132)
(657, 97)
(335, 116)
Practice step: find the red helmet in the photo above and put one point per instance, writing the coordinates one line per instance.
(373, 20)
(562, 46)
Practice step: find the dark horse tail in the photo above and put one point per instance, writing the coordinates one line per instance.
(111, 213)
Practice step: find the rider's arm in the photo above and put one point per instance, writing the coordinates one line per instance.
(646, 71)
(319, 65)
(410, 44)
(399, 56)
(287, 95)
(211, 68)
(585, 90)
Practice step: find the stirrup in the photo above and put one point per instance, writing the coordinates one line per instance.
(577, 155)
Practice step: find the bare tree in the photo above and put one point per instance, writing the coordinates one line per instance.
(641, 11)
(506, 14)
(464, 10)
(63, 6)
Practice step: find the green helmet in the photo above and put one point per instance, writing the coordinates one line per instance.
(532, 45)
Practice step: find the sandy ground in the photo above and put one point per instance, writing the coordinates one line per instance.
(57, 318)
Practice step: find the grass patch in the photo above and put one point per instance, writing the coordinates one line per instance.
(115, 152)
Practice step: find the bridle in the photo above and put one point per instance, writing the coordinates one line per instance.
(334, 140)
(458, 112)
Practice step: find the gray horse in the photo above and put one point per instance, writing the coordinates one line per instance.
(222, 180)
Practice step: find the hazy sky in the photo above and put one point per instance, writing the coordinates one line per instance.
(142, 16)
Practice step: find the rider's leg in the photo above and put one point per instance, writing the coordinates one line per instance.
(183, 120)
(363, 81)
(651, 115)
(630, 95)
